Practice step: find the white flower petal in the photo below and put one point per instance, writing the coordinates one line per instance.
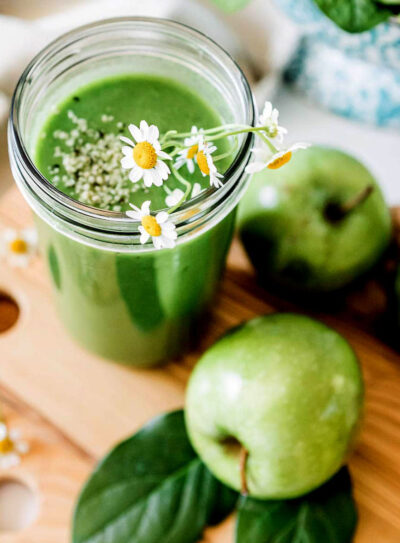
(162, 217)
(157, 242)
(136, 174)
(162, 169)
(196, 189)
(167, 242)
(127, 140)
(298, 146)
(267, 111)
(10, 234)
(135, 214)
(255, 167)
(180, 161)
(169, 231)
(3, 431)
(145, 209)
(261, 154)
(136, 133)
(156, 176)
(190, 165)
(164, 155)
(127, 162)
(144, 236)
(153, 134)
(147, 178)
(215, 181)
(144, 129)
(175, 197)
(127, 150)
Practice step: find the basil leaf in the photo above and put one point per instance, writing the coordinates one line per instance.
(151, 488)
(354, 15)
(327, 515)
(230, 5)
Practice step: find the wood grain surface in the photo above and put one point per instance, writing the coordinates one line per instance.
(73, 407)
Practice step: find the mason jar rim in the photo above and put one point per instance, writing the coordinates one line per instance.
(113, 222)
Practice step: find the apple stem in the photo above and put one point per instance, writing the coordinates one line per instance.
(244, 454)
(357, 200)
(337, 212)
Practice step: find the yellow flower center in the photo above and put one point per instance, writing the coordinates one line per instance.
(18, 246)
(202, 162)
(280, 161)
(145, 155)
(192, 151)
(6, 445)
(151, 226)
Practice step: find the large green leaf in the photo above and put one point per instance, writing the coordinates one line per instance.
(355, 15)
(327, 515)
(230, 5)
(151, 488)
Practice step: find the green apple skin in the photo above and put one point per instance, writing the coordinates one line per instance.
(288, 389)
(285, 232)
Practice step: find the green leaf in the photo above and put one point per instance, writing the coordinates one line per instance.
(151, 488)
(327, 515)
(355, 15)
(230, 5)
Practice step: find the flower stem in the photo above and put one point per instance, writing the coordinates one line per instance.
(188, 186)
(228, 153)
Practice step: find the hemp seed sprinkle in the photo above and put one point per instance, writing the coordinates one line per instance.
(91, 162)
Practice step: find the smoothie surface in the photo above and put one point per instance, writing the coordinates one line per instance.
(79, 150)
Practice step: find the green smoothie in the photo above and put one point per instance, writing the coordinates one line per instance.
(139, 307)
(79, 149)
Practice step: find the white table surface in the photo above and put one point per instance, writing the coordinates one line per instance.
(378, 149)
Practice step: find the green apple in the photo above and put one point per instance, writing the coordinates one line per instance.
(315, 224)
(285, 389)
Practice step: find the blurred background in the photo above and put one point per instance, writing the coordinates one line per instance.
(331, 87)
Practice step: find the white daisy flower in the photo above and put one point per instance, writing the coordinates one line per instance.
(196, 189)
(175, 197)
(264, 158)
(188, 154)
(269, 118)
(206, 164)
(11, 447)
(143, 158)
(159, 228)
(18, 247)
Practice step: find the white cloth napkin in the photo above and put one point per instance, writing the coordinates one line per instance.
(259, 37)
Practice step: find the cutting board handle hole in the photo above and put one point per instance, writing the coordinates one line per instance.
(19, 505)
(9, 311)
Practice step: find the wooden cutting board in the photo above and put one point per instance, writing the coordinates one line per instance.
(73, 407)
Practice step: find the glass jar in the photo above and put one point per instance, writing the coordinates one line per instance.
(120, 299)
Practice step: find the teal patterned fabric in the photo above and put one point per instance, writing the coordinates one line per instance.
(356, 75)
